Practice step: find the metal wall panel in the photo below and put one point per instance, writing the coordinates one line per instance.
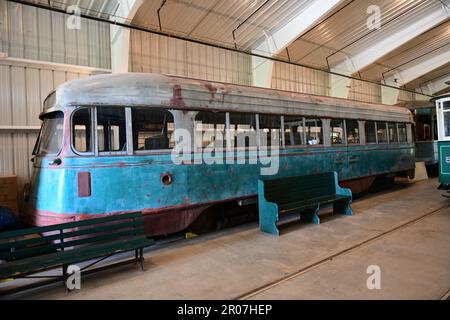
(405, 96)
(4, 38)
(159, 54)
(30, 35)
(44, 35)
(365, 91)
(15, 31)
(38, 34)
(299, 79)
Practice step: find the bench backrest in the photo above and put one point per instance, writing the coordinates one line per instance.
(294, 189)
(35, 241)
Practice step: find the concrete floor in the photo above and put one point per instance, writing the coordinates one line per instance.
(244, 263)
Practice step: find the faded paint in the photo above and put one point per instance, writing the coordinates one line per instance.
(120, 188)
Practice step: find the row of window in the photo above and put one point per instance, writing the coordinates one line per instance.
(153, 129)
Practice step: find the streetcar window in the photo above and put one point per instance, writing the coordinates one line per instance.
(152, 129)
(370, 132)
(402, 135)
(243, 130)
(392, 130)
(81, 130)
(293, 131)
(210, 129)
(270, 130)
(446, 110)
(314, 131)
(51, 136)
(381, 132)
(337, 131)
(423, 124)
(352, 128)
(111, 129)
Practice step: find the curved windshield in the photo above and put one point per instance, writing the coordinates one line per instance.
(50, 138)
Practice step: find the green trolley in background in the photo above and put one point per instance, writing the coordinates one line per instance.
(443, 123)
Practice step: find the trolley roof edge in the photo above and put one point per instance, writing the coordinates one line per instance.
(174, 92)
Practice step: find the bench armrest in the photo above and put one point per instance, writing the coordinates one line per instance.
(268, 212)
(339, 190)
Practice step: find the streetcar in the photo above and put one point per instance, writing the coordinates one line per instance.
(109, 145)
(443, 124)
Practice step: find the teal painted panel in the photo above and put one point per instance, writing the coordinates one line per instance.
(133, 183)
(444, 162)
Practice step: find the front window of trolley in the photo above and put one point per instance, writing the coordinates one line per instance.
(51, 135)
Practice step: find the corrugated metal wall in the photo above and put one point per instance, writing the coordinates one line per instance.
(405, 96)
(299, 79)
(23, 88)
(159, 54)
(31, 33)
(364, 91)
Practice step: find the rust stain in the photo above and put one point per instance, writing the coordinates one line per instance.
(212, 90)
(120, 164)
(177, 99)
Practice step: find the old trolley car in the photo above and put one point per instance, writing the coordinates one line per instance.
(106, 146)
(443, 124)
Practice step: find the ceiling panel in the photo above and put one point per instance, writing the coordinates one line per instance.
(215, 20)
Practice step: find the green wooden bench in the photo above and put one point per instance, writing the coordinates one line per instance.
(302, 194)
(33, 250)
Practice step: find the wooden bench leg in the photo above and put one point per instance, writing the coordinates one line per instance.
(310, 215)
(268, 217)
(343, 207)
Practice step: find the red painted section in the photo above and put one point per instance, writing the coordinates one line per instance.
(358, 185)
(84, 184)
(212, 90)
(156, 222)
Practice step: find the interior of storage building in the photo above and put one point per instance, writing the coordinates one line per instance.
(344, 63)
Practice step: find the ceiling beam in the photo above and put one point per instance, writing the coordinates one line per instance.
(357, 60)
(432, 62)
(275, 43)
(435, 86)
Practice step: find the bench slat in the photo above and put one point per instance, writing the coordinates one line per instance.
(68, 225)
(45, 239)
(55, 246)
(35, 264)
(310, 203)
